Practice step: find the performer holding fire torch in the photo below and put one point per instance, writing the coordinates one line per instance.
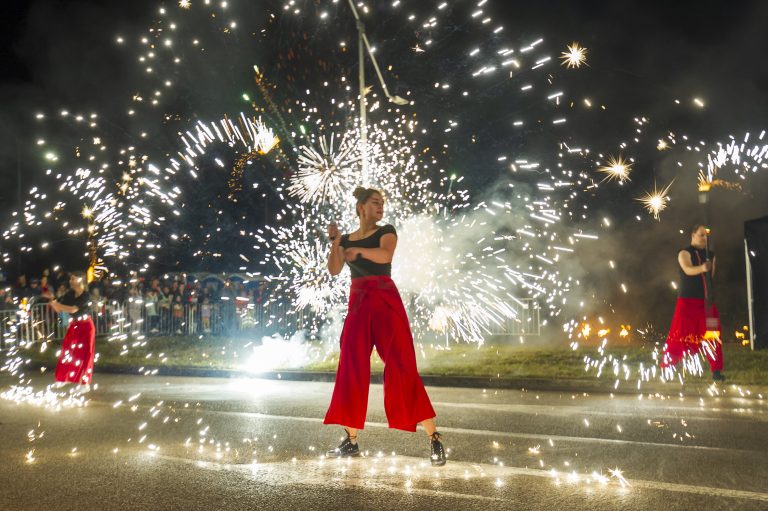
(376, 317)
(696, 323)
(79, 345)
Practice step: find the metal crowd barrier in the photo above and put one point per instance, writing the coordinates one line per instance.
(226, 318)
(526, 323)
(114, 319)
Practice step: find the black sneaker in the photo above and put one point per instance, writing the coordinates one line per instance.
(346, 449)
(437, 455)
(717, 376)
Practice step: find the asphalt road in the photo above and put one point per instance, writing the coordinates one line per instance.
(157, 443)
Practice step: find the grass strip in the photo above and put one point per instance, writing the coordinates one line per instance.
(742, 366)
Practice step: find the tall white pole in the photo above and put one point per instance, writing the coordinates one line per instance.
(750, 305)
(363, 123)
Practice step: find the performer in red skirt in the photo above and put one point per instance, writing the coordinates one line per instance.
(79, 345)
(696, 323)
(376, 317)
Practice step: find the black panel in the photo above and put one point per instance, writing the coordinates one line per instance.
(756, 234)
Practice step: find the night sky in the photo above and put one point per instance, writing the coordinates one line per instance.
(642, 56)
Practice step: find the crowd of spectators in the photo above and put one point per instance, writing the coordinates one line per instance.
(177, 302)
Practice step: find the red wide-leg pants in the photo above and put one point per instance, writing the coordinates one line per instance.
(77, 352)
(376, 317)
(686, 334)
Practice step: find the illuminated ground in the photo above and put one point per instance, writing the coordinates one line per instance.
(690, 453)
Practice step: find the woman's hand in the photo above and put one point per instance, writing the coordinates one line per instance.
(353, 253)
(706, 267)
(335, 255)
(334, 234)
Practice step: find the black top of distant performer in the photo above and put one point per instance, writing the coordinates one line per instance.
(694, 286)
(82, 302)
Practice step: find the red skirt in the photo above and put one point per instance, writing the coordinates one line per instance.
(376, 317)
(687, 334)
(77, 351)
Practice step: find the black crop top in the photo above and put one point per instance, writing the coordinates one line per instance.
(693, 286)
(362, 267)
(82, 302)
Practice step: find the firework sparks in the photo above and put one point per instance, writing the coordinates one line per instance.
(574, 57)
(708, 180)
(264, 138)
(327, 173)
(656, 201)
(617, 169)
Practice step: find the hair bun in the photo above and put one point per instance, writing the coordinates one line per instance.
(360, 192)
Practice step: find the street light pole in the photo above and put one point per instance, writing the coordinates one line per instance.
(363, 107)
(362, 45)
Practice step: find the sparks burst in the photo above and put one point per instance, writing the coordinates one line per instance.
(574, 57)
(617, 169)
(328, 173)
(656, 201)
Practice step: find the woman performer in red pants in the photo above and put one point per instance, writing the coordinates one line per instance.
(376, 317)
(694, 308)
(79, 344)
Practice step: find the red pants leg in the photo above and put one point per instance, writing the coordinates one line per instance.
(685, 332)
(349, 402)
(78, 349)
(713, 350)
(405, 398)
